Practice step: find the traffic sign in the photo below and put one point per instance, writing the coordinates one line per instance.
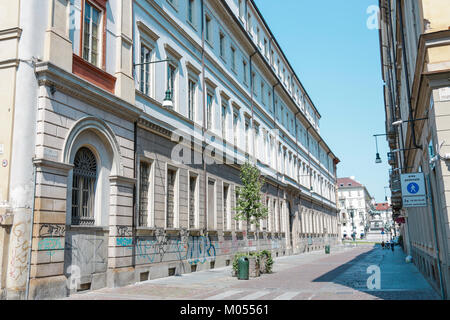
(413, 190)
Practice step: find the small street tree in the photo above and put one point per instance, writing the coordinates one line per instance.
(249, 206)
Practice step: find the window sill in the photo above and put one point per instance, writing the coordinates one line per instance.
(93, 74)
(192, 24)
(195, 232)
(93, 228)
(212, 232)
(143, 231)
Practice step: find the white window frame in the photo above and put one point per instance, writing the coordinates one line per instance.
(228, 200)
(99, 61)
(196, 199)
(176, 205)
(151, 192)
(211, 178)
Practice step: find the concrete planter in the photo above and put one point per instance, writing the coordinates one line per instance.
(253, 267)
(262, 264)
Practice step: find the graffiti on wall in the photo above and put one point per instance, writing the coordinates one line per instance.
(124, 231)
(50, 244)
(19, 253)
(197, 249)
(52, 230)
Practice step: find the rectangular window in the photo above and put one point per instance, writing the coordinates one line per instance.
(145, 70)
(209, 106)
(226, 208)
(171, 198)
(233, 59)
(211, 204)
(235, 124)
(91, 34)
(265, 49)
(208, 29)
(193, 207)
(144, 183)
(190, 11)
(244, 70)
(191, 99)
(263, 96)
(224, 121)
(247, 130)
(241, 8)
(171, 77)
(222, 45)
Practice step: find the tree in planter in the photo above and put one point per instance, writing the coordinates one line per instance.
(249, 206)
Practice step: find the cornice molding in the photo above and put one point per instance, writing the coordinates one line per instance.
(52, 76)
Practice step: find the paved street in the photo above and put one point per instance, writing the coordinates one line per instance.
(342, 275)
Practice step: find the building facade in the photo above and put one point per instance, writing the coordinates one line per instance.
(415, 50)
(127, 123)
(355, 206)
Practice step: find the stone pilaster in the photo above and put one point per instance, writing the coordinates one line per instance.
(58, 47)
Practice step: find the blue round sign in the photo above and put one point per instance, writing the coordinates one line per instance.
(413, 188)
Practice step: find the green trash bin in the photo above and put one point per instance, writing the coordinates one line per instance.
(327, 249)
(243, 267)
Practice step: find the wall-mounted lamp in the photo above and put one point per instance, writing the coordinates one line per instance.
(377, 157)
(400, 122)
(168, 103)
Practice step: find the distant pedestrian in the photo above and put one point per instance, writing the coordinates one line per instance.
(382, 244)
(392, 246)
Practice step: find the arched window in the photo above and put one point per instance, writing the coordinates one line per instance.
(83, 187)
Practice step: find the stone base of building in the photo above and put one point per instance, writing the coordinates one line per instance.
(48, 288)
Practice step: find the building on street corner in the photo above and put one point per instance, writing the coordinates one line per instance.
(415, 57)
(355, 205)
(124, 124)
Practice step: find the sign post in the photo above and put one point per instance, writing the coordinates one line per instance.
(413, 190)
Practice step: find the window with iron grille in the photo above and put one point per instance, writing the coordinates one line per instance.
(226, 212)
(83, 187)
(170, 215)
(144, 183)
(192, 201)
(191, 99)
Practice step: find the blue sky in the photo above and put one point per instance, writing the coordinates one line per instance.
(337, 59)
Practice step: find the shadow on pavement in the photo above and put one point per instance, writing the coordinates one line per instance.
(398, 280)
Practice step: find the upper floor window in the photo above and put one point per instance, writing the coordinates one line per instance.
(92, 34)
(190, 11)
(191, 99)
(244, 68)
(235, 126)
(224, 119)
(209, 106)
(208, 31)
(145, 69)
(222, 45)
(233, 59)
(241, 8)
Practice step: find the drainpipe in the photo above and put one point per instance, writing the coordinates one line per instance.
(204, 115)
(251, 101)
(27, 289)
(135, 205)
(309, 161)
(405, 61)
(435, 238)
(401, 144)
